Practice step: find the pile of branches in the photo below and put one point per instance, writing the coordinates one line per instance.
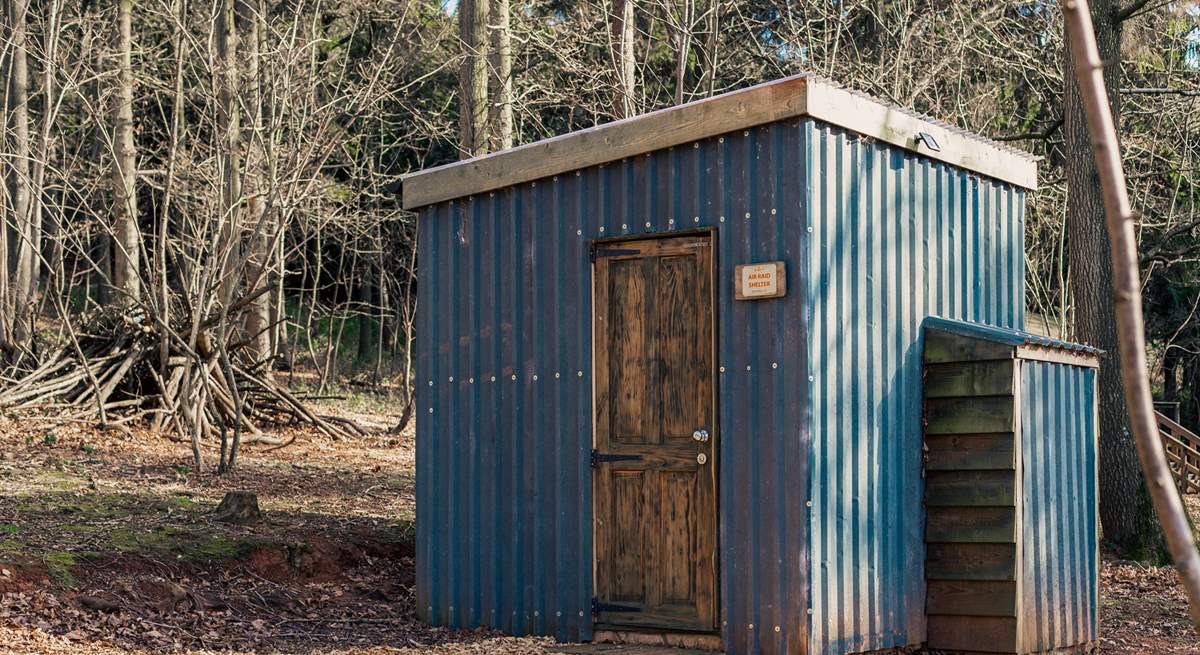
(122, 369)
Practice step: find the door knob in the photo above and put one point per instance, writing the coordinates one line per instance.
(700, 435)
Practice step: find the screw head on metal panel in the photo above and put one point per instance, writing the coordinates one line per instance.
(747, 214)
(772, 211)
(558, 614)
(556, 376)
(451, 378)
(747, 367)
(810, 228)
(579, 374)
(746, 133)
(493, 378)
(696, 144)
(576, 173)
(776, 628)
(431, 383)
(578, 233)
(751, 626)
(808, 503)
(774, 364)
(722, 369)
(535, 612)
(514, 377)
(647, 225)
(722, 219)
(555, 178)
(670, 221)
(471, 381)
(809, 610)
(580, 612)
(810, 378)
(696, 220)
(430, 410)
(721, 139)
(535, 377)
(624, 226)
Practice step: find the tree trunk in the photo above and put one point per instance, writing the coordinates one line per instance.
(229, 151)
(127, 244)
(260, 260)
(501, 109)
(622, 24)
(1126, 513)
(6, 306)
(473, 78)
(18, 172)
(712, 31)
(1171, 374)
(683, 49)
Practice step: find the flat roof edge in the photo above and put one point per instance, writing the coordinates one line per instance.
(801, 95)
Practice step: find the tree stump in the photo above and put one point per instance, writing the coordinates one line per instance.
(239, 507)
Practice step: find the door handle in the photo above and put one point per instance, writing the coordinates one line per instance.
(700, 435)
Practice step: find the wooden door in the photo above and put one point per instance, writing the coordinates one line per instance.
(654, 475)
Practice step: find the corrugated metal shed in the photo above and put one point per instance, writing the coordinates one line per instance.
(821, 523)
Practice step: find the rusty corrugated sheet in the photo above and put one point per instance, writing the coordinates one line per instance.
(503, 484)
(1059, 566)
(895, 238)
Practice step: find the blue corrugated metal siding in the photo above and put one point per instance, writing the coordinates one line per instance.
(895, 237)
(503, 483)
(1059, 539)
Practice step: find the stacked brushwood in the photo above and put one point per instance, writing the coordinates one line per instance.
(119, 369)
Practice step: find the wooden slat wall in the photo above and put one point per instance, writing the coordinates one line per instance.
(971, 494)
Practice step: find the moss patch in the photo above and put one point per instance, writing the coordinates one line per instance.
(9, 528)
(11, 546)
(59, 565)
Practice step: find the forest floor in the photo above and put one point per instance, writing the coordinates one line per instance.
(108, 545)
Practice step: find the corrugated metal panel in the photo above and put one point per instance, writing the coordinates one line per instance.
(503, 484)
(1059, 540)
(895, 238)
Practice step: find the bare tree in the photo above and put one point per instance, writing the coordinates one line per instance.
(19, 181)
(623, 62)
(1125, 507)
(127, 244)
(1086, 59)
(501, 114)
(473, 78)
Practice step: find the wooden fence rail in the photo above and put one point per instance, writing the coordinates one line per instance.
(1183, 453)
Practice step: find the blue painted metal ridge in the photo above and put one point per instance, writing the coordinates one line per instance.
(1008, 336)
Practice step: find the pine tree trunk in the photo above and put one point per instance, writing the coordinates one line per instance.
(501, 109)
(621, 39)
(127, 244)
(1126, 513)
(473, 78)
(229, 151)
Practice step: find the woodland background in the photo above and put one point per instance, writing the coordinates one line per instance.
(199, 194)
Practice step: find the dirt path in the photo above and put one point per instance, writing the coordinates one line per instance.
(108, 545)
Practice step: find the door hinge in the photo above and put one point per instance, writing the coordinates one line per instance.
(595, 252)
(598, 607)
(599, 458)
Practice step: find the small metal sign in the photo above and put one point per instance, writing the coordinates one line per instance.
(758, 281)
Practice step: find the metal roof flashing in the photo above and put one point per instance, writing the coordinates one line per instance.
(789, 97)
(1026, 345)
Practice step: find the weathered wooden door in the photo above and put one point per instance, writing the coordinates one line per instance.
(654, 475)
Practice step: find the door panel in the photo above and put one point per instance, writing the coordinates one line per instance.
(655, 501)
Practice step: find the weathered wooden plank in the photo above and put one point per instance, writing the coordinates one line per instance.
(994, 634)
(970, 489)
(958, 561)
(964, 452)
(985, 378)
(1058, 355)
(972, 597)
(757, 105)
(971, 524)
(943, 346)
(969, 415)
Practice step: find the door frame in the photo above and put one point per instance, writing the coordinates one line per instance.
(711, 234)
